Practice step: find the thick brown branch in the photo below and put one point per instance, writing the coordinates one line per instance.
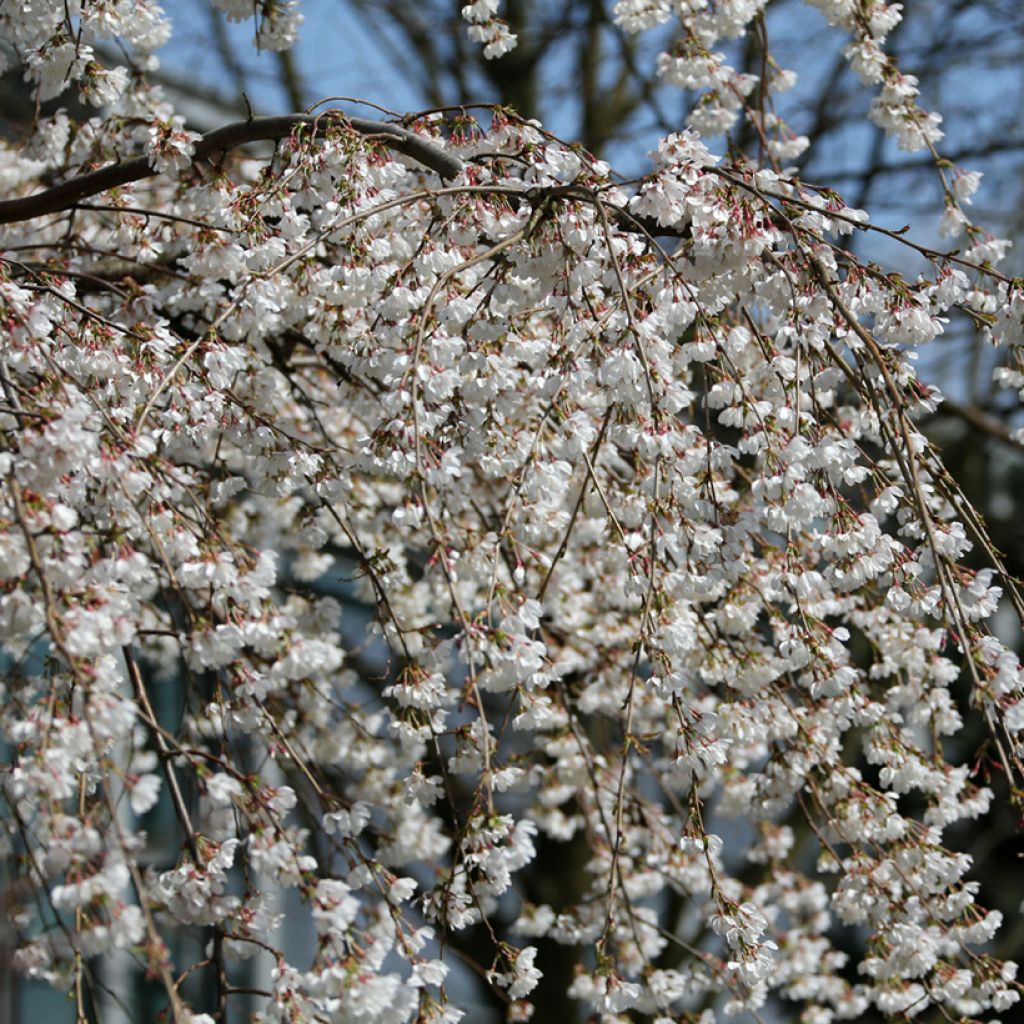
(979, 420)
(256, 129)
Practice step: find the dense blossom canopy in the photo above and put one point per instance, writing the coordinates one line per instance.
(629, 473)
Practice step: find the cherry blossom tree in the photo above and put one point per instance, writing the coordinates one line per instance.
(665, 577)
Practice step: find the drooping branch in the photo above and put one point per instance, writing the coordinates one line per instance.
(230, 136)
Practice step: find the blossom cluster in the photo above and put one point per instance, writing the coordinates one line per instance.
(632, 483)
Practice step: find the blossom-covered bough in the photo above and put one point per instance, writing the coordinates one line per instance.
(631, 476)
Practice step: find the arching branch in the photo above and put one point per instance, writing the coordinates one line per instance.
(256, 129)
